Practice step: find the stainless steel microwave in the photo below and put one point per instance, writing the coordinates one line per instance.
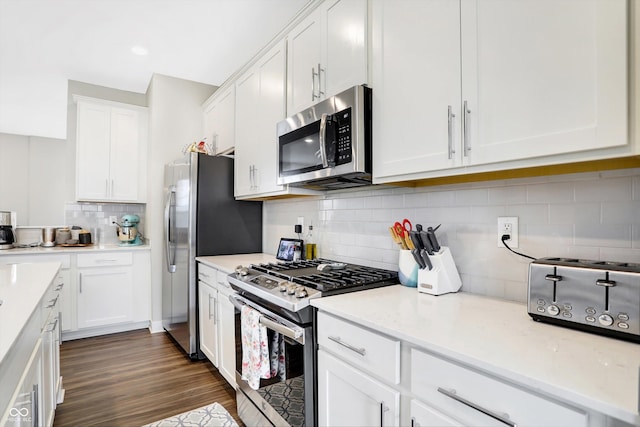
(328, 146)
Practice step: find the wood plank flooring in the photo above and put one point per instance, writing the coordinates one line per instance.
(134, 378)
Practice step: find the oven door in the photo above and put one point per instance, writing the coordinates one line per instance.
(287, 397)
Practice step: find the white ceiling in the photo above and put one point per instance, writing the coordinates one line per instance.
(44, 43)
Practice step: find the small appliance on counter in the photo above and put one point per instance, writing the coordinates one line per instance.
(595, 296)
(7, 238)
(128, 233)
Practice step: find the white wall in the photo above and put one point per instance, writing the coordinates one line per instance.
(175, 120)
(589, 216)
(35, 178)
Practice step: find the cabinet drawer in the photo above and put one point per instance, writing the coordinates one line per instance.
(455, 390)
(105, 259)
(222, 280)
(368, 350)
(206, 274)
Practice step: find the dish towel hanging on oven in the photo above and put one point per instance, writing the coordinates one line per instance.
(277, 356)
(255, 350)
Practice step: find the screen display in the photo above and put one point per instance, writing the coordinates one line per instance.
(289, 249)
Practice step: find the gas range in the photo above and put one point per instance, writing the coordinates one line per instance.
(291, 285)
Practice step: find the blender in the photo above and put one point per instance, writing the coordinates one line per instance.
(128, 233)
(7, 239)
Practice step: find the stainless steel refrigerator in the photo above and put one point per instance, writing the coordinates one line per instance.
(201, 217)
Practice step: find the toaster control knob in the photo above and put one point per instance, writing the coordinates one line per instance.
(605, 320)
(291, 289)
(553, 310)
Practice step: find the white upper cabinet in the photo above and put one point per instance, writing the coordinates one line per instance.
(260, 105)
(474, 82)
(327, 53)
(219, 121)
(111, 145)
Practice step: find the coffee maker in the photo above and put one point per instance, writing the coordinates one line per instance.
(7, 239)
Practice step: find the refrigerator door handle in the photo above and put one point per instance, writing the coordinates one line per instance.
(168, 247)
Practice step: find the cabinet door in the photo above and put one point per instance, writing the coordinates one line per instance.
(207, 301)
(50, 367)
(227, 338)
(93, 141)
(344, 47)
(25, 406)
(219, 121)
(348, 397)
(543, 77)
(105, 296)
(124, 155)
(425, 416)
(260, 101)
(303, 58)
(416, 80)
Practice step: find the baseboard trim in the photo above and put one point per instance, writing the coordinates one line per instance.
(103, 330)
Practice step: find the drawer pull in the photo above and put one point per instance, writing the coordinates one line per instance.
(360, 350)
(606, 283)
(452, 394)
(553, 277)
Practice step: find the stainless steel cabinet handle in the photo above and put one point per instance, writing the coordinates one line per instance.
(53, 302)
(360, 350)
(382, 409)
(452, 394)
(34, 405)
(212, 313)
(320, 92)
(465, 128)
(313, 83)
(60, 328)
(54, 325)
(106, 187)
(111, 194)
(450, 117)
(80, 282)
(553, 278)
(606, 283)
(171, 267)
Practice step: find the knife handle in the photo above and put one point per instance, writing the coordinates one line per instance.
(418, 258)
(425, 257)
(433, 239)
(426, 243)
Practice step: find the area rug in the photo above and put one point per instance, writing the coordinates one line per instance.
(213, 415)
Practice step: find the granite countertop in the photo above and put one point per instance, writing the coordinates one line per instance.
(499, 337)
(228, 263)
(22, 286)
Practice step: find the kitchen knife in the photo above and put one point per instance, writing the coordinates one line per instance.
(415, 239)
(426, 243)
(418, 258)
(425, 256)
(433, 239)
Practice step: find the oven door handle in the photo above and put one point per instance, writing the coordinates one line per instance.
(295, 333)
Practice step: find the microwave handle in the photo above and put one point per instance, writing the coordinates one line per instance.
(323, 141)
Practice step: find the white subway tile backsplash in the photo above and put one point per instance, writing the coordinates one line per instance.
(604, 190)
(508, 195)
(556, 192)
(589, 216)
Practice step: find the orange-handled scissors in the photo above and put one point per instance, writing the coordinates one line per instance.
(403, 229)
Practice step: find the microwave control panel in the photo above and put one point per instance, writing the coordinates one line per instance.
(343, 137)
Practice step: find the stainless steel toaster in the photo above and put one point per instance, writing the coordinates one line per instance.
(594, 296)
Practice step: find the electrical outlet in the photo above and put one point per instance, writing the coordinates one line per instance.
(113, 219)
(508, 225)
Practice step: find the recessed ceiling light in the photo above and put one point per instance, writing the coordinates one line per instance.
(140, 50)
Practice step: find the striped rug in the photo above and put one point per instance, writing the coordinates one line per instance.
(213, 415)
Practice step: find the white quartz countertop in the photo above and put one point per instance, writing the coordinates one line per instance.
(228, 263)
(499, 337)
(68, 249)
(22, 286)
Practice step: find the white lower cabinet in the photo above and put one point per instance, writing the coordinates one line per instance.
(465, 396)
(359, 384)
(207, 302)
(217, 321)
(105, 289)
(350, 397)
(25, 405)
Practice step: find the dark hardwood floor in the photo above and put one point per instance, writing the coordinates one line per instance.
(134, 378)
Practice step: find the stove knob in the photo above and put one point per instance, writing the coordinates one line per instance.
(301, 292)
(242, 271)
(605, 320)
(291, 289)
(553, 310)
